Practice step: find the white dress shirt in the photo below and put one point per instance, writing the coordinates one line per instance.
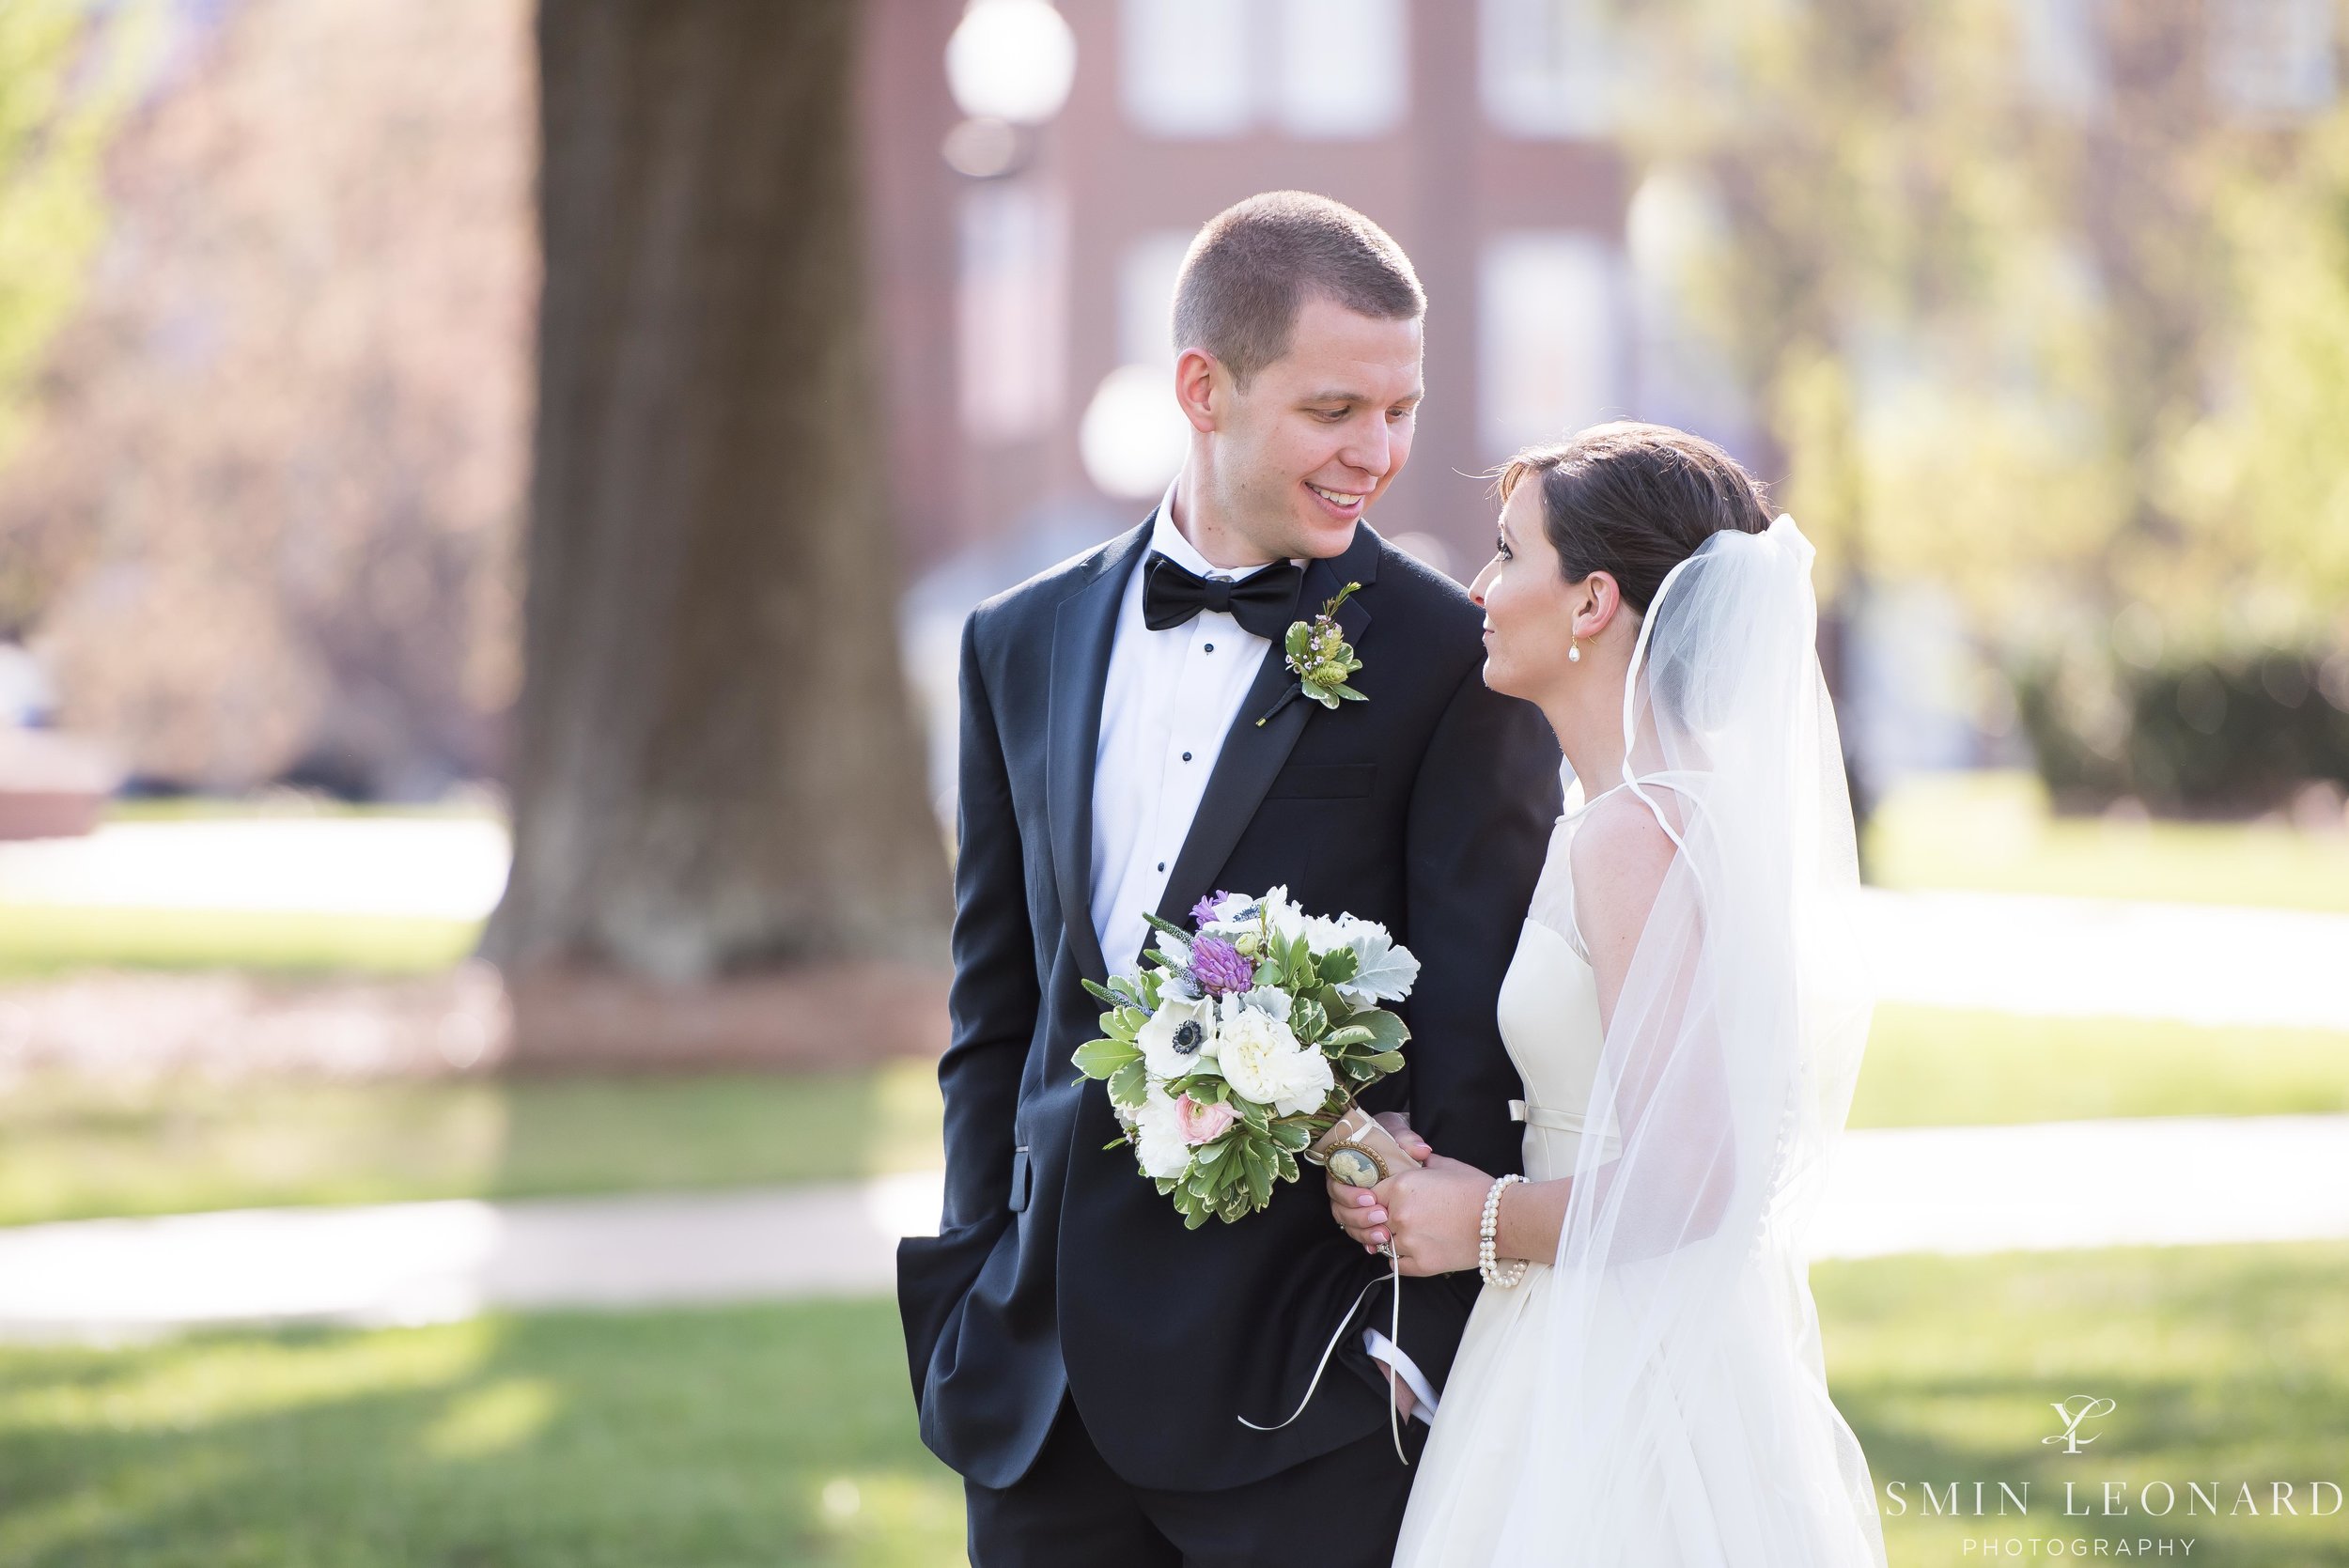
(1166, 705)
(1168, 701)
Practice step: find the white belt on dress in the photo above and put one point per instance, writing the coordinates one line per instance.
(1534, 1116)
(1562, 1121)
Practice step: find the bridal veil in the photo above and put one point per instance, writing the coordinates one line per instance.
(1681, 1410)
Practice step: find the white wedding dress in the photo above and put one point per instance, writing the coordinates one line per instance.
(1656, 1397)
(1472, 1465)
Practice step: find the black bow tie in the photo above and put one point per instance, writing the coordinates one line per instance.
(1264, 602)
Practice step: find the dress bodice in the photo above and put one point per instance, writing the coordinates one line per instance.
(1549, 1017)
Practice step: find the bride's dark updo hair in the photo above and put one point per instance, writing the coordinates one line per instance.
(1636, 500)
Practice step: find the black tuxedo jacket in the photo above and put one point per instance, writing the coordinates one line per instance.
(1058, 1268)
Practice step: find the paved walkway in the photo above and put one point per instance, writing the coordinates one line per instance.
(2087, 958)
(2011, 954)
(444, 867)
(2051, 1186)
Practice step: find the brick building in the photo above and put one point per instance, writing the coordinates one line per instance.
(1025, 298)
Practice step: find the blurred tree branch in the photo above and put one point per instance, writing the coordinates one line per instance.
(265, 520)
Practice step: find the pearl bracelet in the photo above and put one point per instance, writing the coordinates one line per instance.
(1496, 1274)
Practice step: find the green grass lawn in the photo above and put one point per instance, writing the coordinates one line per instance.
(1992, 831)
(2226, 1364)
(1930, 1066)
(784, 1434)
(71, 1148)
(701, 1439)
(39, 942)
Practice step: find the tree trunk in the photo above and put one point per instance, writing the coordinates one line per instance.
(716, 770)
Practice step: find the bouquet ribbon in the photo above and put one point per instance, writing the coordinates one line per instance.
(1395, 1337)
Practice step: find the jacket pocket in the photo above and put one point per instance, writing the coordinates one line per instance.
(935, 1274)
(1323, 781)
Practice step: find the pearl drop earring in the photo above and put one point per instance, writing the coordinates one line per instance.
(1574, 650)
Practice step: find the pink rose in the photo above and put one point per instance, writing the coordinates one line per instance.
(1202, 1124)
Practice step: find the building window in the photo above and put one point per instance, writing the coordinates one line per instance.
(1185, 67)
(1330, 70)
(1550, 344)
(1013, 327)
(2272, 59)
(1145, 297)
(1550, 68)
(1342, 67)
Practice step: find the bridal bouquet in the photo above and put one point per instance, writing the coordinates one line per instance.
(1243, 1042)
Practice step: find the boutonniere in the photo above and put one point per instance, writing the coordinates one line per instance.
(1321, 658)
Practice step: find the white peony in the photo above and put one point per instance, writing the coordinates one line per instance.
(1262, 1060)
(1165, 1036)
(1159, 1135)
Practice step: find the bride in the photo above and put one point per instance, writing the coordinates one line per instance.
(1641, 1382)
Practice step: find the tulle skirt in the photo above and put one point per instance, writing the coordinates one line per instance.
(1706, 1466)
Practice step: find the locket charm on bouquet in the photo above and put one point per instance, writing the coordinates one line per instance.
(1359, 1150)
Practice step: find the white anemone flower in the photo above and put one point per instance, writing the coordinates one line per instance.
(1180, 1037)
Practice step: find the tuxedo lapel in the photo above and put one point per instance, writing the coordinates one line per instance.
(1252, 754)
(1083, 629)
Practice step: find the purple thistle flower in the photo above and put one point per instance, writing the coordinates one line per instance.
(1218, 967)
(1203, 912)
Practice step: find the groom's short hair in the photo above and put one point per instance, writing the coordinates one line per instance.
(1253, 265)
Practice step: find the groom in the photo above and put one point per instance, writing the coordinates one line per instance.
(1082, 1359)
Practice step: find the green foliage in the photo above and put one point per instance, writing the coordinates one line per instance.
(2257, 479)
(1234, 1176)
(2068, 358)
(2229, 733)
(67, 75)
(1105, 1058)
(1320, 656)
(1127, 1084)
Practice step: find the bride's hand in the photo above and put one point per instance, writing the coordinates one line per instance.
(1433, 1214)
(1354, 1208)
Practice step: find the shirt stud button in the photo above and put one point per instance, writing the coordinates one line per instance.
(1211, 648)
(1186, 756)
(1162, 865)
